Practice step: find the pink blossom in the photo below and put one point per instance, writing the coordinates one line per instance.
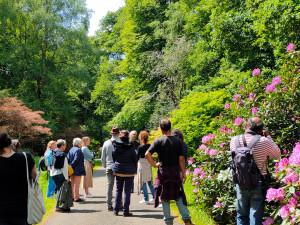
(207, 151)
(254, 110)
(270, 88)
(197, 171)
(291, 47)
(202, 147)
(276, 80)
(202, 175)
(293, 202)
(252, 96)
(284, 212)
(236, 97)
(196, 190)
(284, 151)
(242, 88)
(187, 172)
(191, 160)
(218, 205)
(283, 164)
(291, 177)
(238, 121)
(256, 72)
(295, 156)
(275, 194)
(207, 139)
(227, 106)
(268, 221)
(212, 152)
(224, 129)
(222, 145)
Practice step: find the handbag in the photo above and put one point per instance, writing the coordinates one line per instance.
(65, 198)
(70, 171)
(35, 204)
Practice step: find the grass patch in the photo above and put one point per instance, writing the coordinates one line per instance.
(198, 213)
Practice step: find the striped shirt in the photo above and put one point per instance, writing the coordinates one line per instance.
(263, 150)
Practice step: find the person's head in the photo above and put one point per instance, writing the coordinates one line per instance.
(144, 137)
(256, 125)
(115, 132)
(165, 125)
(15, 144)
(86, 141)
(133, 136)
(5, 143)
(51, 145)
(61, 144)
(124, 136)
(77, 142)
(177, 133)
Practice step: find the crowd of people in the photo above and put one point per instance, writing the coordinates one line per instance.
(125, 155)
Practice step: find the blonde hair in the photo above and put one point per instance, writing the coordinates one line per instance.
(50, 143)
(85, 140)
(144, 137)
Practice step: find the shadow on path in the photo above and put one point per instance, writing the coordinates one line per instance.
(99, 173)
(92, 202)
(84, 211)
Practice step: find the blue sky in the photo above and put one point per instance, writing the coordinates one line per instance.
(100, 8)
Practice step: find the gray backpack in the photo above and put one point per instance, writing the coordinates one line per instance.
(245, 171)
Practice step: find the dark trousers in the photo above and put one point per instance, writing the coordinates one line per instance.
(123, 183)
(58, 180)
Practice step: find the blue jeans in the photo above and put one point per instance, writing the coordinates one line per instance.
(184, 212)
(123, 183)
(250, 206)
(145, 190)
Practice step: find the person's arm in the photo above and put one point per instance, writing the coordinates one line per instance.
(274, 151)
(150, 159)
(87, 153)
(103, 155)
(78, 156)
(182, 167)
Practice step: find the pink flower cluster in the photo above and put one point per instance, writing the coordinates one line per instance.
(256, 72)
(225, 130)
(218, 205)
(283, 164)
(275, 194)
(227, 106)
(198, 172)
(238, 121)
(272, 87)
(290, 48)
(191, 160)
(255, 110)
(251, 96)
(208, 138)
(295, 156)
(237, 97)
(291, 177)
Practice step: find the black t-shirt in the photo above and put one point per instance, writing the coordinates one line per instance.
(13, 188)
(168, 148)
(142, 149)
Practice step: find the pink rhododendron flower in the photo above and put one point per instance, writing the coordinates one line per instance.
(252, 96)
(291, 177)
(283, 164)
(254, 110)
(218, 205)
(196, 190)
(268, 221)
(270, 88)
(202, 175)
(275, 194)
(291, 47)
(197, 171)
(206, 151)
(256, 72)
(224, 129)
(212, 152)
(295, 156)
(293, 202)
(284, 212)
(206, 139)
(202, 147)
(191, 160)
(276, 80)
(236, 97)
(285, 152)
(227, 106)
(238, 121)
(187, 172)
(222, 145)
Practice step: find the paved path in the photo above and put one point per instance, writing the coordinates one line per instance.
(94, 210)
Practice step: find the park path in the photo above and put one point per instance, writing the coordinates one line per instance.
(94, 210)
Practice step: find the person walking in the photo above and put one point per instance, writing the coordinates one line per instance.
(76, 161)
(88, 165)
(49, 160)
(107, 163)
(177, 133)
(133, 136)
(256, 147)
(59, 170)
(124, 168)
(14, 188)
(171, 173)
(144, 169)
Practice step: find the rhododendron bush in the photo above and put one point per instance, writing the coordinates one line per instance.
(273, 95)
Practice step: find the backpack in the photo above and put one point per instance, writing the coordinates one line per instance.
(59, 159)
(245, 171)
(42, 164)
(65, 198)
(49, 158)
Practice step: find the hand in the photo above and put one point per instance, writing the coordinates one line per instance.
(183, 177)
(157, 165)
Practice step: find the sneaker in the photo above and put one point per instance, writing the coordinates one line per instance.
(110, 208)
(79, 200)
(144, 202)
(151, 200)
(62, 210)
(160, 206)
(127, 214)
(116, 213)
(188, 222)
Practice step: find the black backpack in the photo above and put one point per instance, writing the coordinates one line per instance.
(59, 159)
(245, 171)
(42, 164)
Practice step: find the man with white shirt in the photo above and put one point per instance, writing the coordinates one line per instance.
(107, 163)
